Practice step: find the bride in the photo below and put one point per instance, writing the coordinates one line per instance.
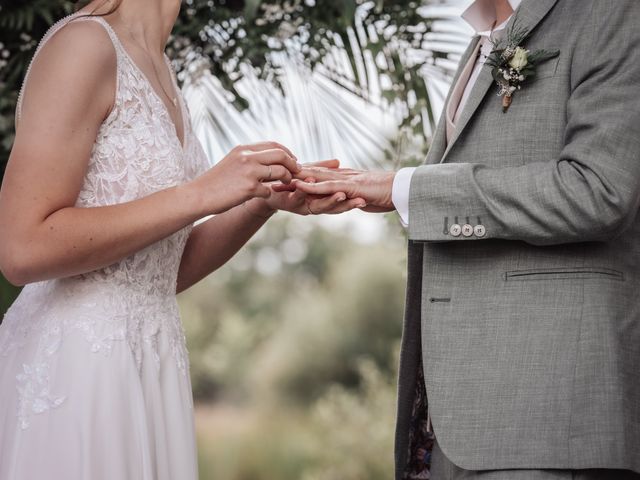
(97, 209)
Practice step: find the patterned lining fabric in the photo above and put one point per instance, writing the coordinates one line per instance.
(421, 437)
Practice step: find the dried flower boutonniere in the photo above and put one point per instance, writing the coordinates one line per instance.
(512, 65)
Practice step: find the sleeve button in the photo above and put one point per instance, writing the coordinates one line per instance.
(455, 230)
(467, 230)
(480, 231)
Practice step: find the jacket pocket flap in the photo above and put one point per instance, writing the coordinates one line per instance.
(563, 273)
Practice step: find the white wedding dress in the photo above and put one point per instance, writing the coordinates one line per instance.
(94, 375)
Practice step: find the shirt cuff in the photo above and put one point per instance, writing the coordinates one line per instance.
(400, 193)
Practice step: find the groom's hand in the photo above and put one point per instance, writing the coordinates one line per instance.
(375, 188)
(287, 197)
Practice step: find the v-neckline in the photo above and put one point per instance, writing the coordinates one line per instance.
(183, 143)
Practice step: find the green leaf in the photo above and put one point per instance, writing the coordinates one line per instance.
(251, 8)
(8, 293)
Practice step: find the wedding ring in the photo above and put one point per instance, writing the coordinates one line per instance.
(270, 172)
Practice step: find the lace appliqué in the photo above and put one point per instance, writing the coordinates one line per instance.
(33, 389)
(34, 380)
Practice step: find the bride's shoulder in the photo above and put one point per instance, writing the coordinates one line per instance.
(76, 62)
(78, 43)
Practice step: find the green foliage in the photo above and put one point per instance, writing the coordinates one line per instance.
(300, 328)
(347, 434)
(22, 24)
(293, 367)
(8, 293)
(325, 330)
(389, 45)
(392, 47)
(354, 429)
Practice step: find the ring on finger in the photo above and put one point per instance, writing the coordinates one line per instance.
(309, 209)
(270, 172)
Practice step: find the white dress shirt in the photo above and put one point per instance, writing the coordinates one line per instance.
(481, 15)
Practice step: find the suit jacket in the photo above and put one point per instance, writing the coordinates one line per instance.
(530, 335)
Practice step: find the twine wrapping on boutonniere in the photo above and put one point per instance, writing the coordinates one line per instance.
(512, 65)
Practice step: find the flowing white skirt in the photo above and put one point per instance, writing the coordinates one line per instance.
(87, 396)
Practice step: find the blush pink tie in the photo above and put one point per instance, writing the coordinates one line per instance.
(458, 91)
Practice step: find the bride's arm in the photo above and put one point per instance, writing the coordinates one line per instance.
(69, 94)
(214, 242)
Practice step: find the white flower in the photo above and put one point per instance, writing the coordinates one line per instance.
(520, 59)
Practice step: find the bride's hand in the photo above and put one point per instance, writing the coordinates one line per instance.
(296, 201)
(244, 174)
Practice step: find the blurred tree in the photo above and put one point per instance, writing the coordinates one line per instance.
(347, 434)
(295, 310)
(294, 354)
(356, 312)
(354, 429)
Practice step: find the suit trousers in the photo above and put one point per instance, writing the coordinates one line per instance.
(443, 469)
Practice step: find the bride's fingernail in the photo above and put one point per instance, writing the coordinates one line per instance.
(342, 198)
(361, 205)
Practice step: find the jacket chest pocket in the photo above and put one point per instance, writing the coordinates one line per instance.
(546, 69)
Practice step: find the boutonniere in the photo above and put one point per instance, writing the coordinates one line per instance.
(512, 64)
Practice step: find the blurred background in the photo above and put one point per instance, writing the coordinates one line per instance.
(294, 344)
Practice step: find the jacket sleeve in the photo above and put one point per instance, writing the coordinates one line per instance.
(591, 192)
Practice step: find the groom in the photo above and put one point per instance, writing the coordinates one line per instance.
(523, 300)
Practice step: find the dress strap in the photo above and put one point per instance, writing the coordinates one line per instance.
(55, 29)
(112, 34)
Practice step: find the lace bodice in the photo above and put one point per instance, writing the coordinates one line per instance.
(136, 153)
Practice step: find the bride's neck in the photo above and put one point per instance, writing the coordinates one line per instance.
(148, 22)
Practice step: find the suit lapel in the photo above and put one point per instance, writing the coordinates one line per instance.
(528, 15)
(439, 141)
(531, 12)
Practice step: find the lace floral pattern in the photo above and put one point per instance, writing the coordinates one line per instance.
(137, 152)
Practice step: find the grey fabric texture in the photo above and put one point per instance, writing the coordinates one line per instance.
(444, 469)
(533, 359)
